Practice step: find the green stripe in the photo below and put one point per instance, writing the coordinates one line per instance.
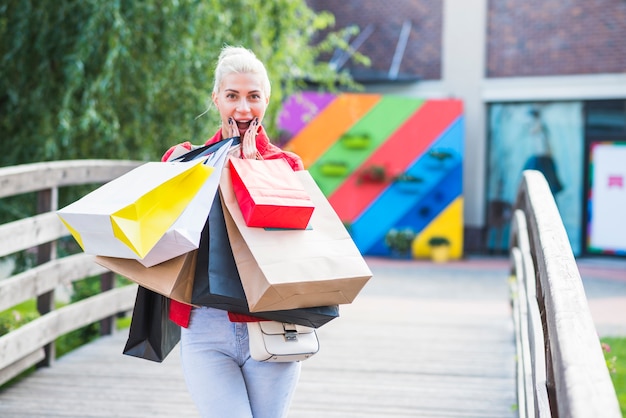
(378, 125)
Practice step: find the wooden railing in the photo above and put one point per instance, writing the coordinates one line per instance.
(33, 343)
(561, 368)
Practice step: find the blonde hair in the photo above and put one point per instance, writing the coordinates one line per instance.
(237, 59)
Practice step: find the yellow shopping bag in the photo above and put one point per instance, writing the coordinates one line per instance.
(130, 215)
(141, 224)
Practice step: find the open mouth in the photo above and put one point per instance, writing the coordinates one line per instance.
(243, 126)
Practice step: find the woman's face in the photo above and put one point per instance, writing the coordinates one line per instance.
(240, 97)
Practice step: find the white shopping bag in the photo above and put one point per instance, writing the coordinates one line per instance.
(152, 214)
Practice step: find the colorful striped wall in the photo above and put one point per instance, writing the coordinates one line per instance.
(384, 162)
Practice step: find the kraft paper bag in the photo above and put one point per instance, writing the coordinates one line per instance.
(172, 278)
(217, 283)
(152, 336)
(152, 213)
(286, 269)
(269, 194)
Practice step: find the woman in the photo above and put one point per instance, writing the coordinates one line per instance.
(224, 381)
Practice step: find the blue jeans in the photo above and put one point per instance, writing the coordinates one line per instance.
(222, 378)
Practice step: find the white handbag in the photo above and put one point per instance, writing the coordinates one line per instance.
(280, 342)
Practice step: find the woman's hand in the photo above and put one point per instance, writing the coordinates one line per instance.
(231, 129)
(248, 143)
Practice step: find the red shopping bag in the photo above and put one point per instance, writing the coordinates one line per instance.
(269, 194)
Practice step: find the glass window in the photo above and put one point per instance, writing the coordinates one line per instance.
(605, 117)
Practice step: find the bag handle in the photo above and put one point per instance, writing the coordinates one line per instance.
(206, 149)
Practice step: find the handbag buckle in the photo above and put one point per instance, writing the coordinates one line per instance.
(291, 332)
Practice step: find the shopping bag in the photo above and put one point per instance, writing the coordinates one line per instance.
(152, 335)
(269, 194)
(172, 278)
(286, 269)
(202, 151)
(217, 283)
(152, 213)
(186, 230)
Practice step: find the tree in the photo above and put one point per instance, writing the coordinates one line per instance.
(126, 79)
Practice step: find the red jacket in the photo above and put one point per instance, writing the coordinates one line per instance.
(180, 312)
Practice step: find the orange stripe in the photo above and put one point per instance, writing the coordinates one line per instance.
(332, 122)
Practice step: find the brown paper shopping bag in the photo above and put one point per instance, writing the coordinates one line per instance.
(287, 269)
(172, 278)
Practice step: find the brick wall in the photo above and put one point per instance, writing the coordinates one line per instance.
(556, 37)
(422, 56)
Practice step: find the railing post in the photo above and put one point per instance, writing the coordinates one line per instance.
(46, 202)
(107, 325)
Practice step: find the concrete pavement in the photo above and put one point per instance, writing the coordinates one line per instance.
(484, 279)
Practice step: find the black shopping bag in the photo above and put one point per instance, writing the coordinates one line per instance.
(152, 335)
(217, 283)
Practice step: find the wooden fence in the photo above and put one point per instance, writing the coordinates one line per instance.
(561, 368)
(33, 343)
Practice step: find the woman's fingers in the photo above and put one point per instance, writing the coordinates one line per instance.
(232, 128)
(248, 144)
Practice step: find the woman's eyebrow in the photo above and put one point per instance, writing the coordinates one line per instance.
(237, 91)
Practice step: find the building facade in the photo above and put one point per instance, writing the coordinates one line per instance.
(543, 85)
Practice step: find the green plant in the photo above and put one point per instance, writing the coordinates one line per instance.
(355, 141)
(111, 93)
(407, 178)
(12, 319)
(440, 156)
(614, 349)
(372, 174)
(438, 241)
(334, 168)
(400, 240)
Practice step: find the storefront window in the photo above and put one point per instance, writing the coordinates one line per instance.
(542, 136)
(605, 117)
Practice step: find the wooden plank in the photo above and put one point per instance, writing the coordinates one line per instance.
(48, 327)
(402, 357)
(97, 380)
(46, 277)
(30, 232)
(581, 379)
(47, 175)
(409, 346)
(19, 366)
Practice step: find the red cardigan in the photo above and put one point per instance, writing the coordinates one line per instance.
(181, 312)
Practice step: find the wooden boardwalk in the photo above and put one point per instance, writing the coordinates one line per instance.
(421, 340)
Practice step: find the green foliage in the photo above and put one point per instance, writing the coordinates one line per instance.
(12, 319)
(127, 79)
(615, 354)
(82, 290)
(400, 240)
(438, 241)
